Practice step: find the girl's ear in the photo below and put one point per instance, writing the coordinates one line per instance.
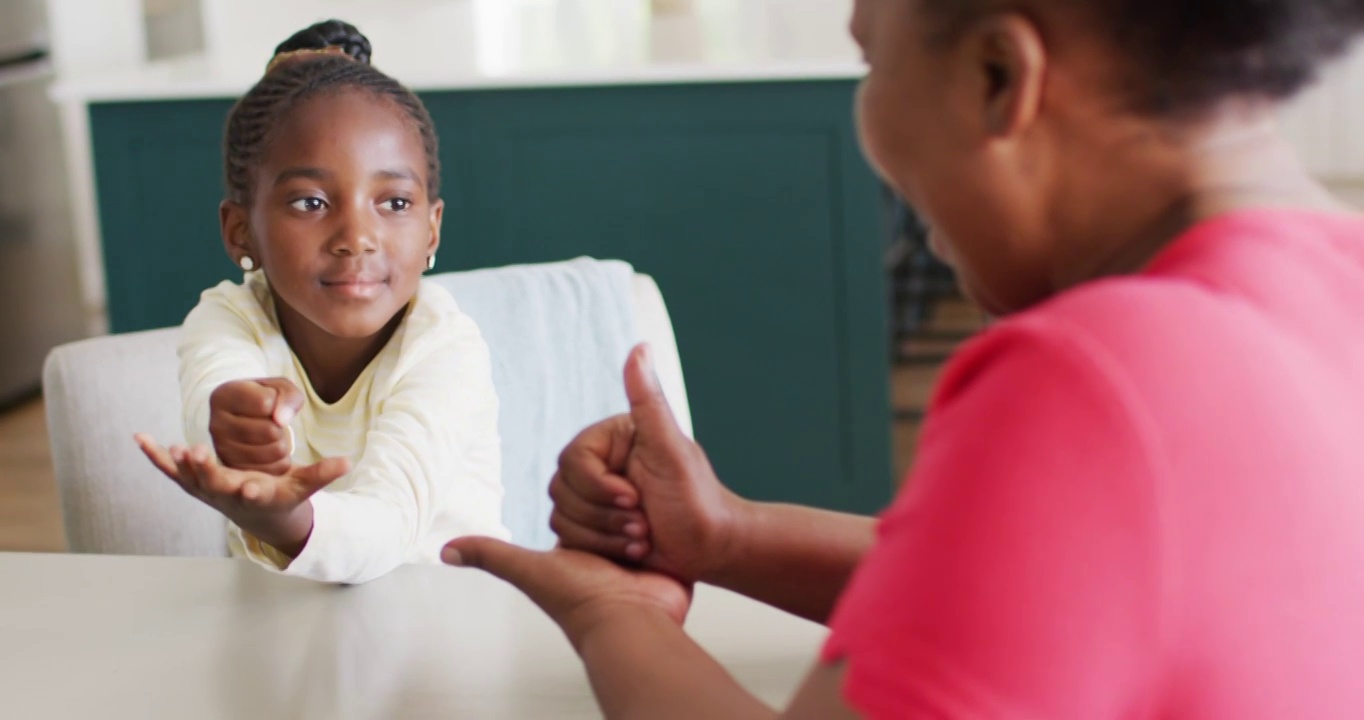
(437, 212)
(234, 222)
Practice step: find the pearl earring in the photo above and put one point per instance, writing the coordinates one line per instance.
(430, 262)
(247, 263)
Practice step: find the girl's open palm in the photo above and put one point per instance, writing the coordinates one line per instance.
(241, 495)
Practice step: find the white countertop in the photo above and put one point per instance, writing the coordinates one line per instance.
(206, 638)
(471, 44)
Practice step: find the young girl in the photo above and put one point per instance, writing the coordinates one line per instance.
(349, 405)
(1138, 495)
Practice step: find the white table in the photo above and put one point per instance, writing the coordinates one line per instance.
(123, 637)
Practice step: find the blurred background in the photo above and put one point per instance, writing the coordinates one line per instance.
(708, 142)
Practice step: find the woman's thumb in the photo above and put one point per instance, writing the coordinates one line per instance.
(649, 408)
(492, 556)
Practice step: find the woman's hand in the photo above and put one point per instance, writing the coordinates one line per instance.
(578, 590)
(634, 488)
(273, 508)
(637, 490)
(626, 626)
(249, 423)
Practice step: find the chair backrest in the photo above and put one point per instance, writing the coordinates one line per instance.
(100, 391)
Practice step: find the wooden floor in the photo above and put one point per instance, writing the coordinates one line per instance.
(30, 513)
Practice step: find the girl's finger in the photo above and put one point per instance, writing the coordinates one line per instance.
(251, 492)
(159, 457)
(248, 430)
(254, 456)
(183, 474)
(259, 489)
(214, 477)
(309, 480)
(184, 461)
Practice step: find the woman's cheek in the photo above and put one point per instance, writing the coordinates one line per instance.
(868, 127)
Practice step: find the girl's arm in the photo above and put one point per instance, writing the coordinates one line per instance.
(432, 464)
(225, 344)
(220, 342)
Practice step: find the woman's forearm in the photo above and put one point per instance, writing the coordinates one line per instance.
(795, 558)
(642, 665)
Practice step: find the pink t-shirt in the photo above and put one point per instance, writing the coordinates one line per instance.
(1142, 499)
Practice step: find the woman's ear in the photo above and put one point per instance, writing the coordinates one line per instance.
(1011, 58)
(234, 222)
(437, 212)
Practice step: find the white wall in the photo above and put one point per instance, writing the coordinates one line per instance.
(1326, 123)
(173, 27)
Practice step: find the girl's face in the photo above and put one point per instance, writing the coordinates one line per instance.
(341, 223)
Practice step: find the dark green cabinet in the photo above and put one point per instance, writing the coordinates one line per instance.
(749, 203)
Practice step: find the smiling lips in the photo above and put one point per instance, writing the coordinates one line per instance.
(358, 287)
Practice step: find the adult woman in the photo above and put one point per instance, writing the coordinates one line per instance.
(1137, 495)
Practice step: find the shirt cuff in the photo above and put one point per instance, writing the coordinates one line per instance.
(263, 554)
(354, 540)
(314, 561)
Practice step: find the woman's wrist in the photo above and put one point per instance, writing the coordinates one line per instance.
(599, 623)
(732, 540)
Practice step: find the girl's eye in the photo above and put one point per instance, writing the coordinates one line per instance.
(398, 204)
(308, 204)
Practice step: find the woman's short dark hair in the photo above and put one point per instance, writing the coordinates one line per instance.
(1184, 56)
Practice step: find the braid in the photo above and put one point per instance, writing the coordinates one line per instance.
(257, 113)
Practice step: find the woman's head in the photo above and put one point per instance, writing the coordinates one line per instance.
(333, 185)
(1036, 136)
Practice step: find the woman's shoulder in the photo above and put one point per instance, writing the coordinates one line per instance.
(1123, 335)
(1098, 324)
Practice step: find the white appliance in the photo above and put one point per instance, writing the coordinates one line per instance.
(40, 297)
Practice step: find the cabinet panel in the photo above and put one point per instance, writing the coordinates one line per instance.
(158, 171)
(752, 208)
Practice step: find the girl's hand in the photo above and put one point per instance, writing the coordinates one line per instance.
(273, 508)
(578, 590)
(249, 420)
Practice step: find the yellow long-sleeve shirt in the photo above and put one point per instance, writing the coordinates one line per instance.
(419, 427)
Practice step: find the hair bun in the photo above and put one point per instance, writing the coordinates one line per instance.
(329, 34)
